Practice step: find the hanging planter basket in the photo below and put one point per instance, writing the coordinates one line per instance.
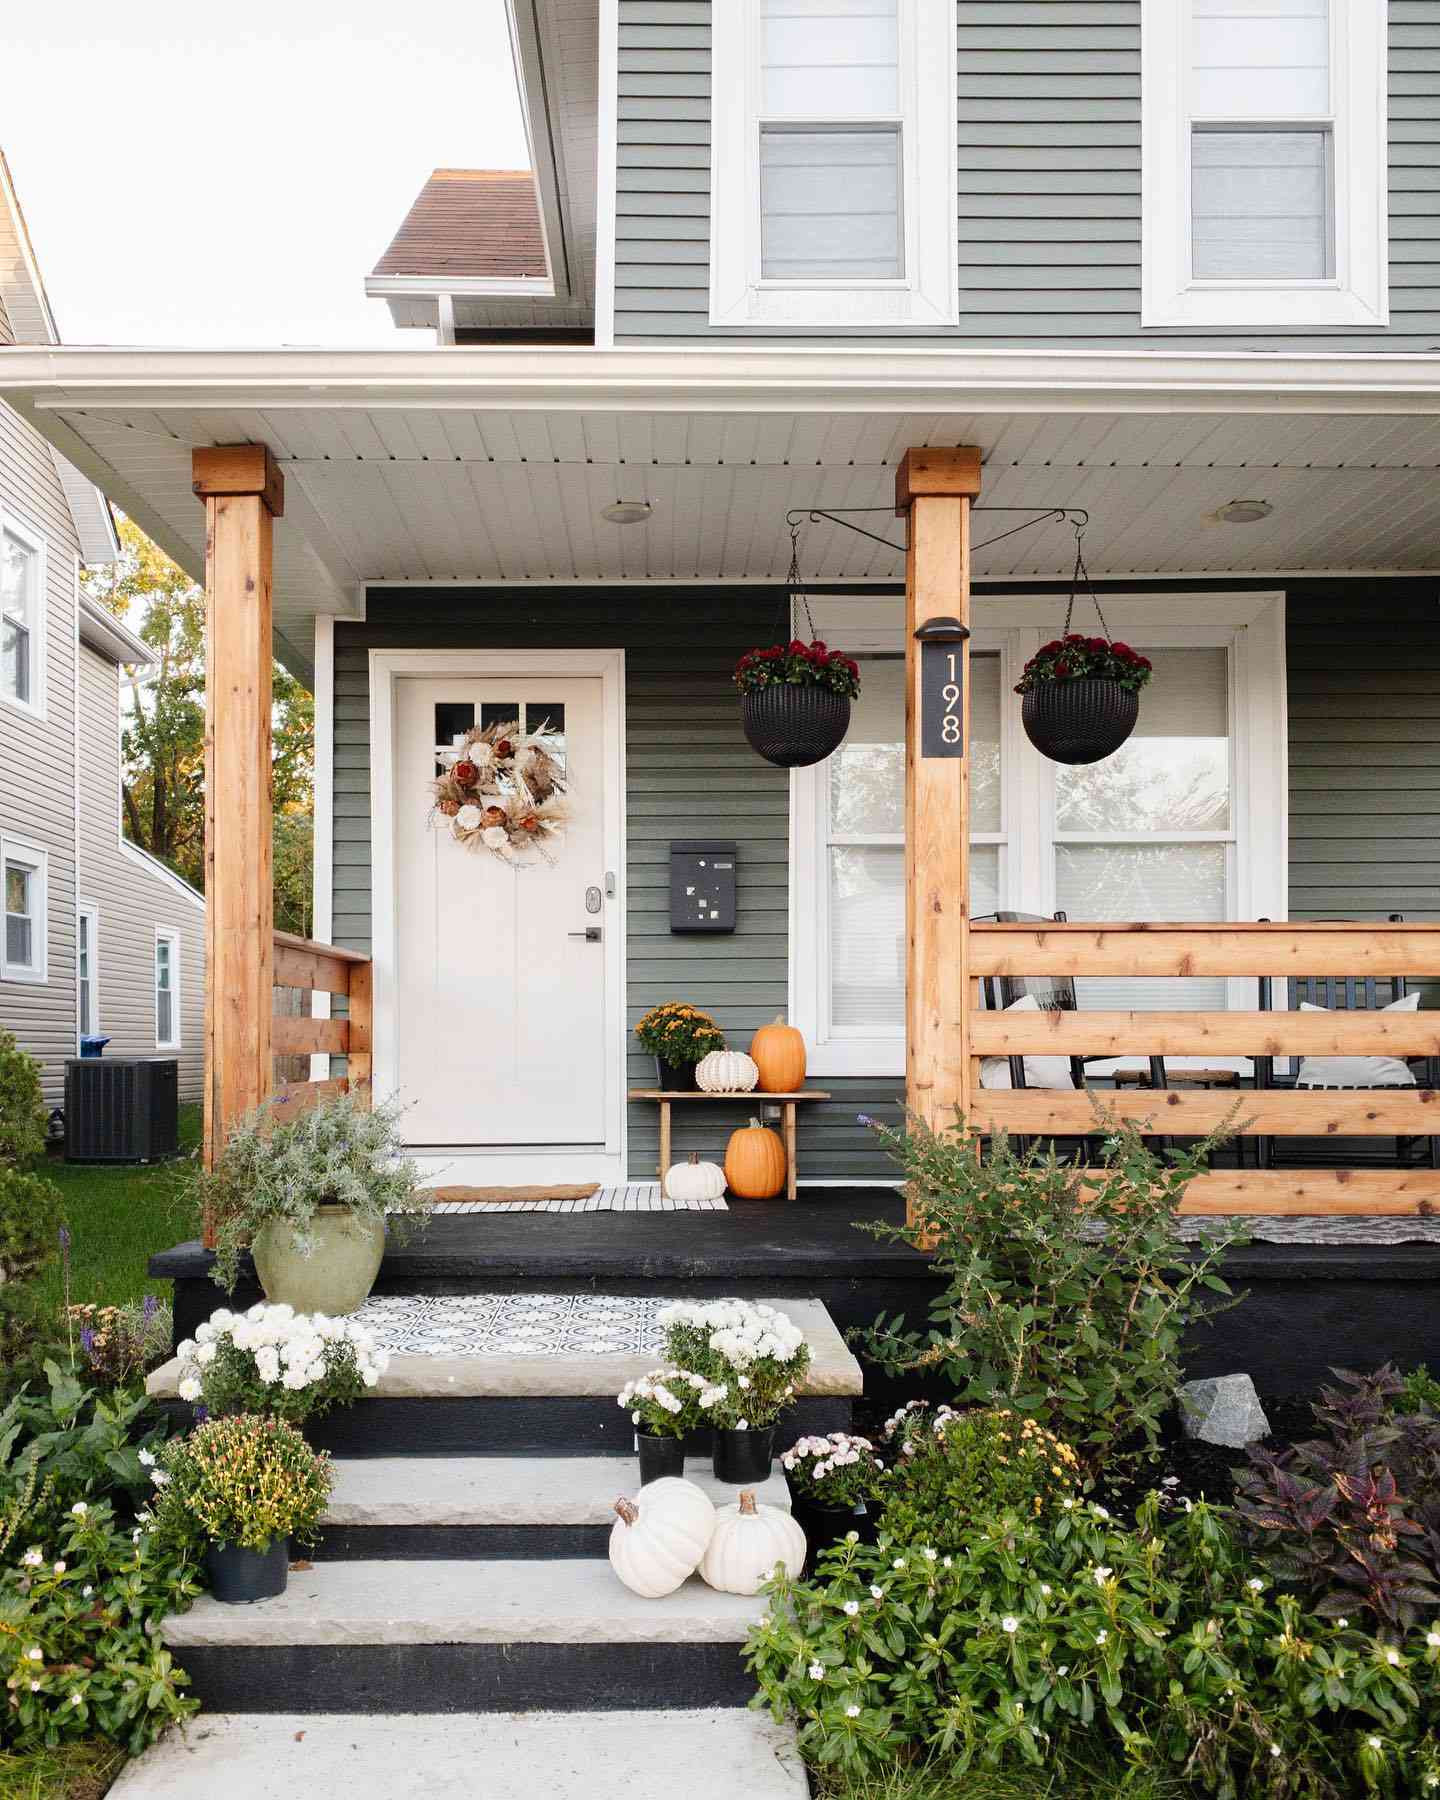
(794, 726)
(1081, 720)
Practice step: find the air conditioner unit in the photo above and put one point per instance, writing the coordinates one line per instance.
(121, 1109)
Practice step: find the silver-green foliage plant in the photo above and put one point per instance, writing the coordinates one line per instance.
(281, 1169)
(1066, 1295)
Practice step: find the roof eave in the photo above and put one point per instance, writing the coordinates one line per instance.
(105, 634)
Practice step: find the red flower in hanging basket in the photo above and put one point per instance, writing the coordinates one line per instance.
(798, 665)
(465, 773)
(1077, 658)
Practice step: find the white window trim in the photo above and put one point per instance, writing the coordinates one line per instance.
(1358, 292)
(35, 707)
(928, 293)
(37, 972)
(1251, 625)
(168, 934)
(90, 912)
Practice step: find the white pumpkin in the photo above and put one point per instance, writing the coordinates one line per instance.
(658, 1538)
(747, 1542)
(727, 1072)
(694, 1180)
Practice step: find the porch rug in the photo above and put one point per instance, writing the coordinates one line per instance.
(514, 1324)
(642, 1196)
(503, 1196)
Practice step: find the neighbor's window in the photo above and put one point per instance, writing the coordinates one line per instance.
(21, 619)
(167, 990)
(834, 162)
(25, 879)
(87, 970)
(1264, 162)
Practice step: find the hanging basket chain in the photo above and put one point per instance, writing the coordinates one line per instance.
(1079, 575)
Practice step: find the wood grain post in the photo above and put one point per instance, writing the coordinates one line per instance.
(243, 492)
(934, 489)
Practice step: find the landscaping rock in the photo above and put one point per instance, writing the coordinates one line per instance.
(1225, 1409)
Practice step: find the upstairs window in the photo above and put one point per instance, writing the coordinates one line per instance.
(833, 164)
(167, 990)
(23, 953)
(1264, 163)
(22, 636)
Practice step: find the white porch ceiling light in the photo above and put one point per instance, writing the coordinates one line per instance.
(627, 512)
(1244, 512)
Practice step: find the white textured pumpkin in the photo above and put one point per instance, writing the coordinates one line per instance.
(747, 1542)
(694, 1180)
(727, 1072)
(658, 1538)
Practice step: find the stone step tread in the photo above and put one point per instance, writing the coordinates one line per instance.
(833, 1370)
(505, 1490)
(722, 1754)
(480, 1601)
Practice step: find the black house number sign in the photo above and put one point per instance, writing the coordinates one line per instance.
(942, 705)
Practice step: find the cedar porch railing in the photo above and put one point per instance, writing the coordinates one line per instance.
(323, 969)
(1278, 950)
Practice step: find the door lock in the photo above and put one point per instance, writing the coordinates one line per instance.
(594, 900)
(592, 934)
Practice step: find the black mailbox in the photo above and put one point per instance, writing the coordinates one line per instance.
(702, 884)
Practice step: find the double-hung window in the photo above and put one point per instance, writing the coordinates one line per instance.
(87, 970)
(22, 615)
(167, 989)
(1264, 162)
(833, 163)
(24, 953)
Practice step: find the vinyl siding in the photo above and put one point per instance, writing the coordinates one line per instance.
(1048, 180)
(134, 899)
(1364, 722)
(37, 782)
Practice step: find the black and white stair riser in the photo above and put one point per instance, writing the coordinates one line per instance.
(489, 1677)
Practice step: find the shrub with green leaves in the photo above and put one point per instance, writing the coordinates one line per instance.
(22, 1105)
(280, 1169)
(242, 1480)
(951, 1468)
(1066, 1634)
(1064, 1299)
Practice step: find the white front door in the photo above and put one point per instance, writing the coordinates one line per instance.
(501, 1003)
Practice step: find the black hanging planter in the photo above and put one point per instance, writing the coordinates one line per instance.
(793, 725)
(1082, 719)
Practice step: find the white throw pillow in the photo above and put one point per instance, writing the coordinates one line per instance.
(1357, 1071)
(1040, 1071)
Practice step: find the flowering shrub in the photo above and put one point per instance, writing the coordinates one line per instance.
(679, 1033)
(1073, 657)
(798, 665)
(279, 1167)
(1046, 1632)
(752, 1355)
(666, 1402)
(955, 1466)
(80, 1647)
(277, 1361)
(1066, 1302)
(834, 1471)
(244, 1481)
(120, 1344)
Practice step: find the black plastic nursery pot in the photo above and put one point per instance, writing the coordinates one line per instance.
(659, 1456)
(240, 1577)
(827, 1525)
(1080, 720)
(675, 1078)
(742, 1457)
(794, 726)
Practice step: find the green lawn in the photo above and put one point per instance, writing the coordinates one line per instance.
(1072, 1779)
(78, 1772)
(118, 1218)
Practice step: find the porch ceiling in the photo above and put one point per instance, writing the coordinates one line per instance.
(496, 480)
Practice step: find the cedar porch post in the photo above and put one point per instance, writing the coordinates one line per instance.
(934, 489)
(244, 493)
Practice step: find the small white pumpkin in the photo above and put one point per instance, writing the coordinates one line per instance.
(694, 1180)
(747, 1542)
(658, 1538)
(727, 1072)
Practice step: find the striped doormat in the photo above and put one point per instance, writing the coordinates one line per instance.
(638, 1196)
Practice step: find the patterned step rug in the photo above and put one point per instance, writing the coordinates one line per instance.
(514, 1324)
(637, 1196)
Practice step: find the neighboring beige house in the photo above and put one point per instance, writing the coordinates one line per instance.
(98, 936)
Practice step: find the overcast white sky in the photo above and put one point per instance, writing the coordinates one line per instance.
(194, 175)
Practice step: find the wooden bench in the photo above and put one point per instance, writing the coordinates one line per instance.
(752, 1101)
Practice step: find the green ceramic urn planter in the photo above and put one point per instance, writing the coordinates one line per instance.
(336, 1276)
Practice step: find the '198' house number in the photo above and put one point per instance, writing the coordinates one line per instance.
(942, 713)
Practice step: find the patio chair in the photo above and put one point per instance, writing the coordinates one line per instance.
(1368, 993)
(1052, 993)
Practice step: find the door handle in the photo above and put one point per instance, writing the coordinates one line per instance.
(591, 934)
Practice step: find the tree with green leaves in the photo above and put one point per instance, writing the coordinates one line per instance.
(163, 741)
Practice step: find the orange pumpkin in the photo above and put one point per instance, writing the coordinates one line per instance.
(778, 1051)
(755, 1162)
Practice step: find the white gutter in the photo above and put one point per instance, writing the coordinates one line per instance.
(103, 632)
(464, 287)
(819, 379)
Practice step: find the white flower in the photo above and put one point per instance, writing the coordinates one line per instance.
(1255, 1585)
(189, 1389)
(851, 1607)
(1067, 1503)
(1099, 1511)
(35, 1654)
(1064, 1669)
(1432, 1638)
(1010, 1624)
(34, 1687)
(1373, 1743)
(929, 1554)
(75, 1700)
(1045, 1590)
(160, 1478)
(1393, 1658)
(468, 818)
(86, 1592)
(1342, 1623)
(205, 1333)
(32, 1558)
(877, 1593)
(206, 1354)
(60, 1568)
(852, 1712)
(817, 1671)
(1100, 1636)
(947, 1562)
(147, 1458)
(1274, 1749)
(1102, 1575)
(79, 1509)
(267, 1364)
(899, 1563)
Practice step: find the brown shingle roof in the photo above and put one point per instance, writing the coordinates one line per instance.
(472, 224)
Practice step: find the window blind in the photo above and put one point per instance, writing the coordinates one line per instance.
(829, 59)
(830, 203)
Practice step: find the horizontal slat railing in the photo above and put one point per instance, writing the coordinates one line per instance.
(325, 969)
(1173, 951)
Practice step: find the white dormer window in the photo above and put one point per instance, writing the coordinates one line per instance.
(1264, 163)
(833, 171)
